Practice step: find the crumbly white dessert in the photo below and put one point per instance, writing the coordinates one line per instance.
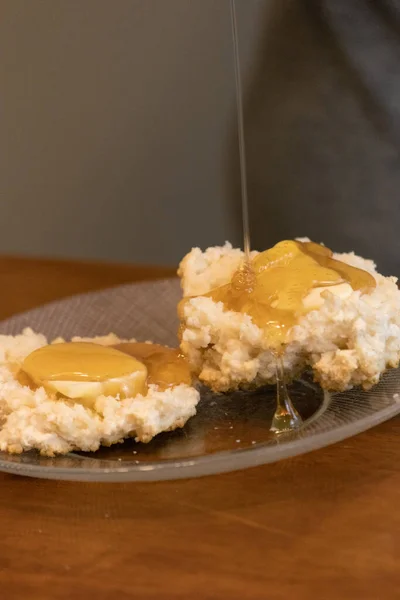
(36, 419)
(347, 338)
(200, 271)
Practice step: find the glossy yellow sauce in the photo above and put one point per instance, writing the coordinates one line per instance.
(87, 369)
(271, 287)
(166, 367)
(78, 361)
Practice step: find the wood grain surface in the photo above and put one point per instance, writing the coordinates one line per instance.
(325, 525)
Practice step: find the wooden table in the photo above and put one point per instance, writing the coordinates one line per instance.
(324, 526)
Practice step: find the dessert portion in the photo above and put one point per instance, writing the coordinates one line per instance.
(61, 397)
(298, 303)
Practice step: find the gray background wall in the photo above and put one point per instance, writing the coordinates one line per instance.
(115, 124)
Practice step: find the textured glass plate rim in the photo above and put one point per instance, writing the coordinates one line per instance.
(211, 464)
(199, 466)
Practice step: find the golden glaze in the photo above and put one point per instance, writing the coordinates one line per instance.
(166, 367)
(271, 287)
(125, 369)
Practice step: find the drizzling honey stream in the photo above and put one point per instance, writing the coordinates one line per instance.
(272, 288)
(245, 276)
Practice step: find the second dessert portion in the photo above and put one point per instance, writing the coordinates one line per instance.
(78, 395)
(299, 302)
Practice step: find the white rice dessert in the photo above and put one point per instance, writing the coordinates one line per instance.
(201, 272)
(347, 338)
(53, 425)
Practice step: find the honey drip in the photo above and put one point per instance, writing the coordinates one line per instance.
(166, 367)
(286, 417)
(272, 286)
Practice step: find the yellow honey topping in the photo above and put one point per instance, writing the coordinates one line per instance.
(87, 370)
(271, 287)
(166, 367)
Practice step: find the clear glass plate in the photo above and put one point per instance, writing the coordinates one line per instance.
(228, 433)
